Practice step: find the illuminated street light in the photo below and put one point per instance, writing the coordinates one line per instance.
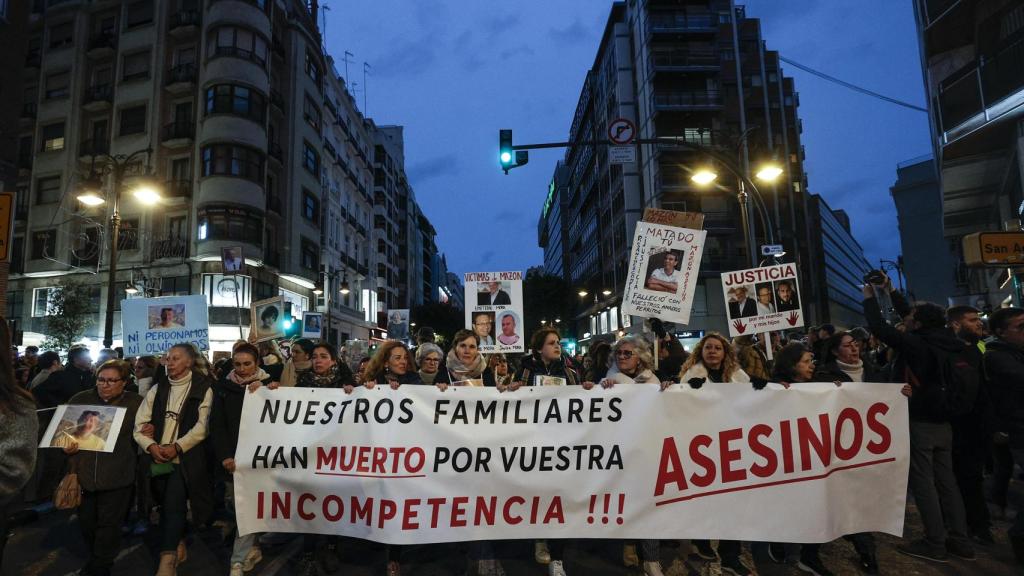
(91, 199)
(704, 176)
(769, 173)
(583, 293)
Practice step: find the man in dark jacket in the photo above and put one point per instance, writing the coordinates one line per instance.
(76, 377)
(1004, 369)
(931, 435)
(106, 478)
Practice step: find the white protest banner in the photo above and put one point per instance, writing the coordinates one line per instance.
(417, 465)
(494, 310)
(91, 428)
(150, 326)
(663, 269)
(762, 299)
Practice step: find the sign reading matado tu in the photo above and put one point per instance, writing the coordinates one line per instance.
(417, 465)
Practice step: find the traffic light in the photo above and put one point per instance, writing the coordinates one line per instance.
(508, 157)
(292, 326)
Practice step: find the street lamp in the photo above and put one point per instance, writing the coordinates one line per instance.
(583, 293)
(145, 191)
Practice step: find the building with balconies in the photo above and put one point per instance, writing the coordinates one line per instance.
(971, 54)
(697, 72)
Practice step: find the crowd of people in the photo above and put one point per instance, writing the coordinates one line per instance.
(174, 454)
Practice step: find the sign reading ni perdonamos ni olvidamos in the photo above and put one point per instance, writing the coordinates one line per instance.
(416, 465)
(762, 299)
(150, 326)
(494, 310)
(663, 267)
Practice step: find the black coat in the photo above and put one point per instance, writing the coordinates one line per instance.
(749, 309)
(533, 365)
(831, 372)
(102, 470)
(1004, 374)
(61, 386)
(226, 418)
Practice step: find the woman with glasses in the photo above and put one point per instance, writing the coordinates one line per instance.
(428, 358)
(105, 477)
(171, 426)
(225, 421)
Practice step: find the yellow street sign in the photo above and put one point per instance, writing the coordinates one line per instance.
(996, 249)
(6, 224)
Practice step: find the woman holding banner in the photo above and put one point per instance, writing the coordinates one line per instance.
(172, 426)
(392, 365)
(326, 371)
(428, 358)
(465, 364)
(225, 421)
(714, 360)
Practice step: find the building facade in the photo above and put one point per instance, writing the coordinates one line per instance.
(928, 263)
(697, 74)
(971, 53)
(234, 108)
(842, 269)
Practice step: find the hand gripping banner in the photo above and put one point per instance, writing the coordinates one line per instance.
(417, 465)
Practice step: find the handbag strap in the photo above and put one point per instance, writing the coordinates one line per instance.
(177, 418)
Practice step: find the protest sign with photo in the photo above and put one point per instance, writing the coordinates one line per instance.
(494, 310)
(312, 325)
(762, 299)
(398, 324)
(150, 326)
(266, 321)
(663, 267)
(417, 465)
(91, 428)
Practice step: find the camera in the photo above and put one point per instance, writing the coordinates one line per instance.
(875, 277)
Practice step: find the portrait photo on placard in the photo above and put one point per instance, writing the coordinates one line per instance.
(166, 317)
(493, 294)
(786, 297)
(483, 326)
(266, 319)
(663, 274)
(398, 324)
(741, 301)
(509, 330)
(765, 298)
(231, 258)
(88, 427)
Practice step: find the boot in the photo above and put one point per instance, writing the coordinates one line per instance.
(182, 552)
(168, 564)
(629, 557)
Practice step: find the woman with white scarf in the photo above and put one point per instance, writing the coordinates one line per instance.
(466, 365)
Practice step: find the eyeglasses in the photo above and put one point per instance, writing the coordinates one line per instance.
(624, 353)
(431, 359)
(481, 323)
(108, 382)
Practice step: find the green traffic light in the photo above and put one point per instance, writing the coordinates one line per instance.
(287, 324)
(506, 157)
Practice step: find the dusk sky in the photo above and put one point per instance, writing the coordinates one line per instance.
(454, 72)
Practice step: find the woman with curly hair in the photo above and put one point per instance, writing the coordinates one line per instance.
(391, 364)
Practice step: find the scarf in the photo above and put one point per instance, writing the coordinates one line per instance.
(293, 370)
(258, 375)
(323, 381)
(854, 371)
(427, 378)
(460, 371)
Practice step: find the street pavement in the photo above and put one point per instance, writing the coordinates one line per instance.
(52, 546)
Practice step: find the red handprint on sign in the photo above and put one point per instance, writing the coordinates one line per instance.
(739, 325)
(793, 317)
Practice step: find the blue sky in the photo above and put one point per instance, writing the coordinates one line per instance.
(453, 72)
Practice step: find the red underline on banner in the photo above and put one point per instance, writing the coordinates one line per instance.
(318, 473)
(776, 483)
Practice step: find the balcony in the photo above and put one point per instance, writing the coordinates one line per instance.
(102, 45)
(177, 134)
(981, 92)
(679, 100)
(935, 9)
(242, 53)
(89, 149)
(168, 248)
(683, 61)
(181, 79)
(98, 97)
(178, 189)
(183, 23)
(681, 23)
(274, 151)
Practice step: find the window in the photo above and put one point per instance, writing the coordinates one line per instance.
(239, 100)
(41, 301)
(128, 234)
(133, 120)
(310, 159)
(312, 114)
(310, 207)
(313, 68)
(44, 244)
(48, 190)
(61, 35)
(53, 137)
(15, 300)
(136, 66)
(223, 222)
(310, 255)
(175, 286)
(138, 13)
(177, 228)
(57, 85)
(232, 160)
(239, 43)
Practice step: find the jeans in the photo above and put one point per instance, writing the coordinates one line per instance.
(170, 491)
(99, 517)
(243, 544)
(933, 483)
